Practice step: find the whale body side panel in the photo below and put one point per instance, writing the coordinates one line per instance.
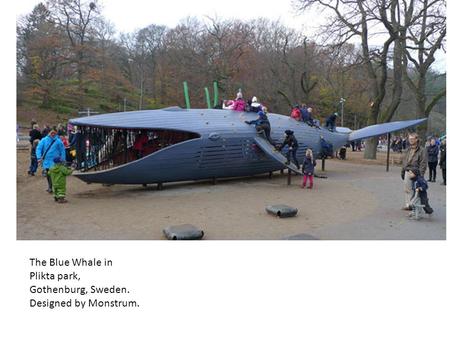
(225, 148)
(192, 160)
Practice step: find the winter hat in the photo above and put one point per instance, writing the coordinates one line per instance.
(239, 95)
(261, 114)
(288, 132)
(336, 114)
(254, 99)
(57, 159)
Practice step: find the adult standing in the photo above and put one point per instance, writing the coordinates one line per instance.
(61, 130)
(78, 143)
(46, 130)
(433, 152)
(442, 161)
(47, 150)
(404, 143)
(35, 134)
(415, 157)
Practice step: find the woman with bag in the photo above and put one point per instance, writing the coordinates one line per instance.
(47, 150)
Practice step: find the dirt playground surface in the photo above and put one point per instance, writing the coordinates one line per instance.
(358, 200)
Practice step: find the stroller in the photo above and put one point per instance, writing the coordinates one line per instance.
(418, 208)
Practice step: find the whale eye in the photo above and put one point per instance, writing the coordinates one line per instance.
(214, 136)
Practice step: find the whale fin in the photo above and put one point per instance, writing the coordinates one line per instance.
(384, 128)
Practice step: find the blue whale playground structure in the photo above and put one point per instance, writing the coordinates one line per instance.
(195, 144)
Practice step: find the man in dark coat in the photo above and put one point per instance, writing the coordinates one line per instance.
(442, 161)
(433, 152)
(35, 134)
(415, 157)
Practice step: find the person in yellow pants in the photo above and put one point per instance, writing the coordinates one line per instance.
(58, 174)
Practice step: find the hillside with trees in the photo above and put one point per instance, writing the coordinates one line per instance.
(70, 58)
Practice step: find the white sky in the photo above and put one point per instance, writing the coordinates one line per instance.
(133, 14)
(130, 15)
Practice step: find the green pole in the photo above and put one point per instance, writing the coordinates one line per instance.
(208, 101)
(216, 94)
(186, 95)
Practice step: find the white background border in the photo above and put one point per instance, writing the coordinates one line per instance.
(225, 288)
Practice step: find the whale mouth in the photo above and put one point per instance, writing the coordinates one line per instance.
(102, 148)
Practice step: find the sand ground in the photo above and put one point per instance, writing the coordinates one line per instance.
(357, 201)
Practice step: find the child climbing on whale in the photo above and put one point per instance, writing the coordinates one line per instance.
(262, 125)
(292, 143)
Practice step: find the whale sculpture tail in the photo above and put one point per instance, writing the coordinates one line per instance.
(381, 129)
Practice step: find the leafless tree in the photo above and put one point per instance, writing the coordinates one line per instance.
(76, 17)
(424, 37)
(358, 19)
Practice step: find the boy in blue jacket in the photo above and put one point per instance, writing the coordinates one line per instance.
(262, 125)
(420, 188)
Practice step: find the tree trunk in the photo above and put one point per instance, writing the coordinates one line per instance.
(45, 98)
(370, 151)
(420, 113)
(81, 77)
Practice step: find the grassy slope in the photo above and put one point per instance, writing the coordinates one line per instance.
(26, 113)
